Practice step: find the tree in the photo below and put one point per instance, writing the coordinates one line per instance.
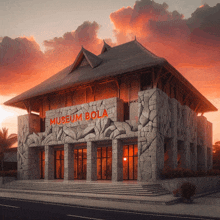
(6, 142)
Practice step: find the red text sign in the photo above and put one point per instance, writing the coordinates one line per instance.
(73, 118)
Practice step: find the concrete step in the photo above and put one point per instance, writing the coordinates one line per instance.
(85, 187)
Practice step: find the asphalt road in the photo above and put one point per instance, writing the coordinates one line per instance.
(25, 209)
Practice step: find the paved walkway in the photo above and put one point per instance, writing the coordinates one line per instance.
(207, 206)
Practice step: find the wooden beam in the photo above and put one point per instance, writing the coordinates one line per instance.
(158, 76)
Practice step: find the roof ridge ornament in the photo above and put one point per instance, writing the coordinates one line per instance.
(105, 47)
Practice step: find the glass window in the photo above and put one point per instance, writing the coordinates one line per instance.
(130, 162)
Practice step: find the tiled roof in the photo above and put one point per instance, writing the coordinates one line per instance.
(117, 60)
(112, 61)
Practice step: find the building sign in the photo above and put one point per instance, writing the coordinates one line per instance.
(75, 117)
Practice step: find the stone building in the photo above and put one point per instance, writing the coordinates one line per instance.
(121, 115)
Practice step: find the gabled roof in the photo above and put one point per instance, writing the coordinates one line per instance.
(114, 61)
(91, 58)
(111, 62)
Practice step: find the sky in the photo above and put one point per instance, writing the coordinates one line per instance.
(40, 37)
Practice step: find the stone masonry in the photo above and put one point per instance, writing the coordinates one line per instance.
(160, 118)
(162, 121)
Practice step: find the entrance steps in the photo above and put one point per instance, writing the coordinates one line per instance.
(124, 188)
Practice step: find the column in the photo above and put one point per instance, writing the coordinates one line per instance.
(209, 158)
(202, 143)
(49, 162)
(185, 157)
(33, 163)
(193, 156)
(91, 174)
(172, 144)
(117, 164)
(26, 157)
(68, 162)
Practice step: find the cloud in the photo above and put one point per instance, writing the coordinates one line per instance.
(64, 49)
(23, 65)
(19, 58)
(190, 45)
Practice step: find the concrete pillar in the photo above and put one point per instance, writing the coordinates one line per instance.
(117, 163)
(185, 151)
(201, 158)
(209, 145)
(172, 144)
(49, 162)
(185, 155)
(68, 162)
(193, 156)
(209, 158)
(33, 163)
(91, 162)
(27, 159)
(202, 143)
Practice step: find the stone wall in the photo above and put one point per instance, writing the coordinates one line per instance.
(154, 124)
(164, 119)
(27, 158)
(84, 123)
(163, 124)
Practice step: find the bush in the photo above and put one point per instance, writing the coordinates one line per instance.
(213, 172)
(168, 173)
(187, 190)
(10, 173)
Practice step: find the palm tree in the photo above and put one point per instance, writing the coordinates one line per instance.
(6, 142)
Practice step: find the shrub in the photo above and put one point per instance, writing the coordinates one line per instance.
(187, 190)
(213, 172)
(200, 173)
(10, 173)
(168, 173)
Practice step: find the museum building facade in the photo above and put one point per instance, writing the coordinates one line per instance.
(122, 115)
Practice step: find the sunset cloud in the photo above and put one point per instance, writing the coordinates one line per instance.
(24, 65)
(63, 50)
(19, 59)
(190, 45)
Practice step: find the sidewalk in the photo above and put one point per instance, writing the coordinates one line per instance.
(207, 206)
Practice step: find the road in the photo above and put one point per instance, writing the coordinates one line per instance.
(25, 209)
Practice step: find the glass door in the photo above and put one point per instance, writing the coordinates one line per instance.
(130, 162)
(104, 163)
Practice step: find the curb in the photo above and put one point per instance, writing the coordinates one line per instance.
(103, 198)
(179, 200)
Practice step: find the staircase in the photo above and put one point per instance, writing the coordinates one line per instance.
(108, 188)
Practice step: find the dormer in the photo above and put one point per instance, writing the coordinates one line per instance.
(84, 58)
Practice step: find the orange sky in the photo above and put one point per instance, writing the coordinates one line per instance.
(191, 45)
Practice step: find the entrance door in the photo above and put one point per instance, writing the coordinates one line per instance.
(130, 162)
(59, 164)
(80, 163)
(104, 163)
